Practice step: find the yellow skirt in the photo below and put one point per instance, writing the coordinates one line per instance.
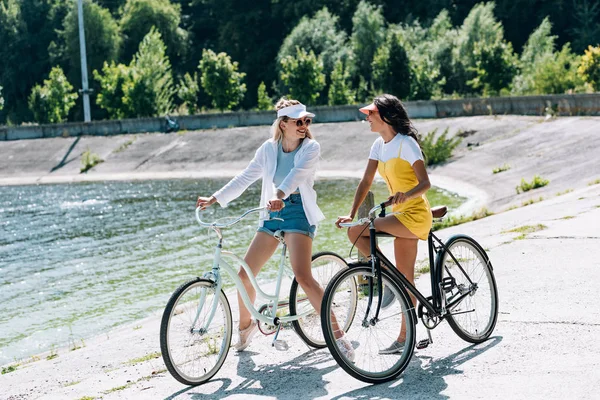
(416, 216)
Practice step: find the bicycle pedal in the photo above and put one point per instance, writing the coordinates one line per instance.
(421, 344)
(281, 345)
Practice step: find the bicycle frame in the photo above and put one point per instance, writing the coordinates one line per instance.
(437, 307)
(220, 263)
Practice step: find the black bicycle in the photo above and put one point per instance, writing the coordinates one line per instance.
(382, 330)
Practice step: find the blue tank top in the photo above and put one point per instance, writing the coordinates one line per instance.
(285, 163)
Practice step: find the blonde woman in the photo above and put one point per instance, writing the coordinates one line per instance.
(287, 164)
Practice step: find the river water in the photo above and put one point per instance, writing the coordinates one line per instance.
(79, 259)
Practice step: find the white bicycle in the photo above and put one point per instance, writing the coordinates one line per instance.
(196, 327)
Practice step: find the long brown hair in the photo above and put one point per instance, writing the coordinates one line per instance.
(275, 128)
(392, 112)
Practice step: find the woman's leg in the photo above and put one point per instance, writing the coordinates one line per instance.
(405, 253)
(300, 247)
(261, 249)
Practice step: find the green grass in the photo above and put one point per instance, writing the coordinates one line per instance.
(116, 389)
(89, 160)
(503, 168)
(531, 201)
(125, 145)
(71, 383)
(537, 182)
(9, 369)
(597, 181)
(567, 217)
(452, 220)
(144, 358)
(564, 192)
(525, 229)
(86, 398)
(135, 328)
(438, 150)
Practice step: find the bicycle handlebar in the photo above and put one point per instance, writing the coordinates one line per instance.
(215, 224)
(371, 216)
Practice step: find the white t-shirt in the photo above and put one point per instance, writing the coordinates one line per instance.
(381, 151)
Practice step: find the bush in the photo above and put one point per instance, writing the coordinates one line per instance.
(303, 76)
(438, 151)
(89, 160)
(221, 80)
(589, 69)
(51, 103)
(187, 91)
(264, 101)
(503, 168)
(340, 91)
(537, 182)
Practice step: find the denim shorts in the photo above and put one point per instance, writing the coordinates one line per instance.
(294, 219)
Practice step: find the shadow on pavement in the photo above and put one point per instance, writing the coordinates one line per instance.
(64, 161)
(424, 377)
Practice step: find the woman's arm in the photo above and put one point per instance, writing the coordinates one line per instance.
(422, 187)
(361, 191)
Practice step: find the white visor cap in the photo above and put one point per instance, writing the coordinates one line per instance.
(296, 111)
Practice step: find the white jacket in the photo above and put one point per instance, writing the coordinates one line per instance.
(264, 163)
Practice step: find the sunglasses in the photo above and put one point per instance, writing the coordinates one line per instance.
(302, 122)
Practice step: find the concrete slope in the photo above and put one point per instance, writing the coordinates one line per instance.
(544, 346)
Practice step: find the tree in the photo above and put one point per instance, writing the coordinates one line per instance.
(480, 44)
(1, 99)
(368, 33)
(264, 101)
(391, 68)
(303, 76)
(139, 16)
(589, 68)
(586, 29)
(340, 90)
(111, 93)
(221, 80)
(318, 34)
(149, 91)
(556, 72)
(102, 38)
(27, 27)
(187, 92)
(51, 102)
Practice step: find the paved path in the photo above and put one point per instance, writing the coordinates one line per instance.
(545, 345)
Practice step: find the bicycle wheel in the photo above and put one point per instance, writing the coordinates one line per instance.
(369, 339)
(474, 318)
(193, 356)
(324, 266)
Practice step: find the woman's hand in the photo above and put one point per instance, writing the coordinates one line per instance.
(205, 202)
(398, 198)
(275, 204)
(342, 220)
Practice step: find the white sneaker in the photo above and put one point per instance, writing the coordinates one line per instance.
(345, 348)
(245, 336)
(395, 348)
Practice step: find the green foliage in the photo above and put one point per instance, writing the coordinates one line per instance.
(221, 80)
(187, 92)
(589, 67)
(1, 99)
(102, 39)
(457, 220)
(391, 68)
(8, 369)
(149, 90)
(264, 101)
(89, 160)
(438, 151)
(138, 18)
(340, 90)
(318, 34)
(495, 67)
(111, 93)
(537, 182)
(556, 73)
(503, 168)
(368, 33)
(586, 28)
(51, 102)
(303, 76)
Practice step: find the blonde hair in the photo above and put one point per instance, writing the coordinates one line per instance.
(276, 128)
